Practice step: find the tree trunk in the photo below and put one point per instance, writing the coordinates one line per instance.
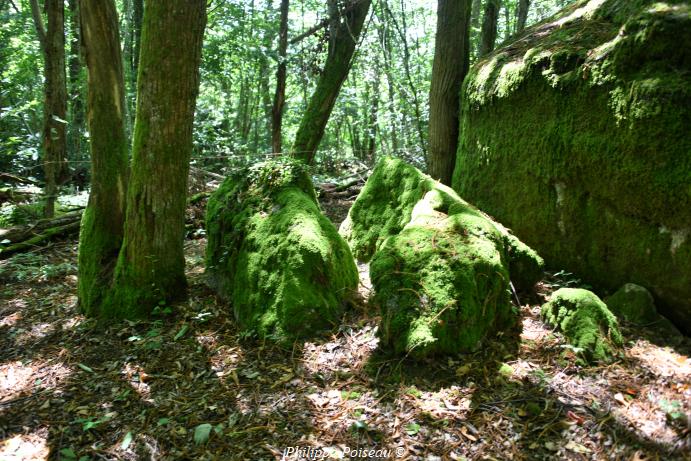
(75, 84)
(102, 224)
(150, 267)
(137, 14)
(489, 27)
(344, 33)
(280, 96)
(522, 14)
(52, 40)
(451, 58)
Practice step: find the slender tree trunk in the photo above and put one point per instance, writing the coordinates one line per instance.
(75, 83)
(101, 231)
(344, 33)
(52, 40)
(150, 267)
(137, 15)
(280, 95)
(507, 19)
(451, 58)
(522, 14)
(489, 27)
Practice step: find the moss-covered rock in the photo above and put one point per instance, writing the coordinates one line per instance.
(585, 321)
(439, 266)
(273, 254)
(576, 137)
(633, 303)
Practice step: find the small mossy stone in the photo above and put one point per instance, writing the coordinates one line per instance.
(633, 303)
(585, 321)
(525, 265)
(273, 254)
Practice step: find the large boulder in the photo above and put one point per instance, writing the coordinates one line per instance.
(585, 321)
(273, 254)
(576, 136)
(439, 266)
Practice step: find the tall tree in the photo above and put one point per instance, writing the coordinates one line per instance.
(451, 58)
(75, 84)
(101, 231)
(54, 140)
(344, 30)
(522, 14)
(150, 267)
(489, 27)
(280, 96)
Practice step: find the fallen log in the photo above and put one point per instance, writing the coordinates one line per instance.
(12, 195)
(25, 238)
(41, 239)
(11, 178)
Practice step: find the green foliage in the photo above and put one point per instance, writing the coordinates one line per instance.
(274, 255)
(585, 321)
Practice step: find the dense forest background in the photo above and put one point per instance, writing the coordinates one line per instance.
(383, 107)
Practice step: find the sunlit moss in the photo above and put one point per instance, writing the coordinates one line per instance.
(273, 254)
(585, 321)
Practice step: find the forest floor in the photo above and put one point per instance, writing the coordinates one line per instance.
(187, 385)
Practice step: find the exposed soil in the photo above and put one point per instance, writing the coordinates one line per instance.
(72, 389)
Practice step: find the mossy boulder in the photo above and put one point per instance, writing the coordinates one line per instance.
(439, 266)
(385, 206)
(633, 303)
(274, 256)
(585, 321)
(576, 137)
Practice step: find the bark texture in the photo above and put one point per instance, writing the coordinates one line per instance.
(451, 58)
(54, 140)
(344, 32)
(489, 27)
(522, 14)
(280, 96)
(102, 224)
(150, 268)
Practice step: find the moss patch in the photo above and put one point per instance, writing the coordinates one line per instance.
(273, 254)
(574, 137)
(439, 266)
(633, 303)
(585, 321)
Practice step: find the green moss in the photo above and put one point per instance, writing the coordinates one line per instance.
(633, 303)
(439, 267)
(575, 137)
(585, 321)
(384, 206)
(441, 283)
(274, 255)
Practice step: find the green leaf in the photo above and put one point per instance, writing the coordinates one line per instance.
(412, 428)
(163, 421)
(85, 368)
(126, 441)
(201, 433)
(182, 332)
(68, 453)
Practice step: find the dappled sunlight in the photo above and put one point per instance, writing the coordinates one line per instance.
(662, 361)
(586, 12)
(25, 447)
(18, 378)
(138, 379)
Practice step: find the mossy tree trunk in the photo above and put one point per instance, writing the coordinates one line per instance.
(54, 140)
(451, 58)
(280, 96)
(488, 35)
(522, 14)
(344, 32)
(75, 83)
(102, 224)
(150, 267)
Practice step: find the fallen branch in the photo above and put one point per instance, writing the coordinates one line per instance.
(7, 177)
